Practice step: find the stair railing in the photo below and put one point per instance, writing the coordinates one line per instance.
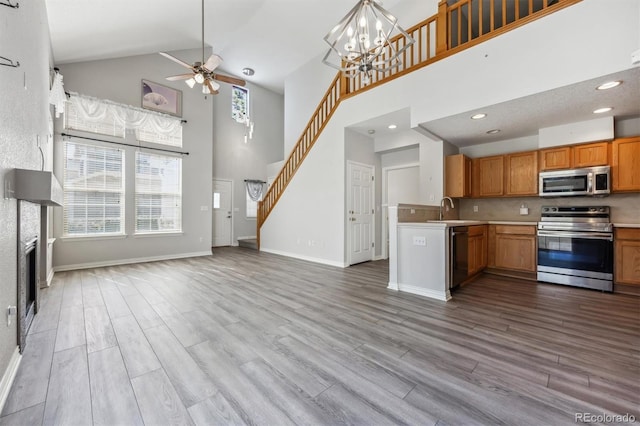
(453, 29)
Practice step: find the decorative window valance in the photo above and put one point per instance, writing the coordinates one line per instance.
(109, 118)
(254, 189)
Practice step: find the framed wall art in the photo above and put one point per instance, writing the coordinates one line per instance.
(161, 98)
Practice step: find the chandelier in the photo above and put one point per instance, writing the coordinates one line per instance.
(359, 43)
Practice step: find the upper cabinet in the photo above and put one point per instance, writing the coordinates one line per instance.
(555, 158)
(577, 156)
(457, 182)
(625, 164)
(521, 173)
(516, 174)
(491, 173)
(591, 154)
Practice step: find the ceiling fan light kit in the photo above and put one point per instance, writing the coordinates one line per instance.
(359, 43)
(202, 72)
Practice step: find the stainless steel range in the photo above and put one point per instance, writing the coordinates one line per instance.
(575, 246)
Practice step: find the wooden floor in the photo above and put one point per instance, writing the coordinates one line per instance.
(244, 337)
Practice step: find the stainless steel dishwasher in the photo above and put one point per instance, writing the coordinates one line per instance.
(459, 255)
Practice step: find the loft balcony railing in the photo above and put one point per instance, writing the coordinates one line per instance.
(456, 27)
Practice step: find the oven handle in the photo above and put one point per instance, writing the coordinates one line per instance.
(579, 235)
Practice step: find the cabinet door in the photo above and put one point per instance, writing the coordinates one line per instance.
(555, 158)
(522, 173)
(626, 164)
(457, 176)
(627, 256)
(516, 252)
(473, 266)
(491, 176)
(592, 154)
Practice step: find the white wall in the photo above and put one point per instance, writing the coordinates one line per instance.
(400, 157)
(24, 115)
(119, 80)
(539, 56)
(402, 186)
(237, 161)
(527, 143)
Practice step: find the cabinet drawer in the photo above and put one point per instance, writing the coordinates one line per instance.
(477, 230)
(627, 233)
(516, 229)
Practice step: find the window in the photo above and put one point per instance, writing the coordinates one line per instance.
(252, 207)
(158, 193)
(93, 190)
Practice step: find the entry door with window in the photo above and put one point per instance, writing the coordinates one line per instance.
(222, 208)
(360, 215)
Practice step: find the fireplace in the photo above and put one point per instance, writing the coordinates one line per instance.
(28, 270)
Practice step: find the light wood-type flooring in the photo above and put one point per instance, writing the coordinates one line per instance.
(243, 337)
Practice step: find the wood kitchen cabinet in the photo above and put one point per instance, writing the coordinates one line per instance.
(521, 173)
(555, 158)
(477, 249)
(625, 165)
(590, 155)
(457, 180)
(491, 176)
(512, 247)
(627, 256)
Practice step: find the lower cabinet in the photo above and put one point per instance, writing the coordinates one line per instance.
(627, 256)
(477, 249)
(512, 247)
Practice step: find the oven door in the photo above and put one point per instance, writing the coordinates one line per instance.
(581, 254)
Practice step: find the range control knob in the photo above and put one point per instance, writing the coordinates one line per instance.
(592, 209)
(554, 209)
(545, 209)
(603, 209)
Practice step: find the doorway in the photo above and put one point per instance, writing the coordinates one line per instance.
(400, 184)
(360, 212)
(222, 213)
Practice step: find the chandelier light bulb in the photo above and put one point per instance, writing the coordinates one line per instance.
(378, 25)
(349, 32)
(205, 89)
(363, 22)
(190, 82)
(199, 78)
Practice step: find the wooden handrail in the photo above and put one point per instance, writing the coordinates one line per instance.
(436, 38)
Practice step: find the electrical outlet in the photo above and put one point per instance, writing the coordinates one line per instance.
(419, 240)
(11, 312)
(475, 209)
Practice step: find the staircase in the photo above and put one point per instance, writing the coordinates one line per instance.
(454, 28)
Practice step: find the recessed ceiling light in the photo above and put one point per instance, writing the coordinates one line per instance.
(392, 126)
(609, 85)
(601, 110)
(371, 131)
(248, 71)
(493, 132)
(478, 116)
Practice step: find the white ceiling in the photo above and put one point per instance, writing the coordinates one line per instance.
(524, 116)
(275, 37)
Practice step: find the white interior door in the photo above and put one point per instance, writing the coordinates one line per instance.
(360, 213)
(222, 209)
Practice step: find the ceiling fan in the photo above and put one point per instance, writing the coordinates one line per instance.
(203, 72)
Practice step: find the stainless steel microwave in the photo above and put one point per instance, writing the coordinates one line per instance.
(565, 183)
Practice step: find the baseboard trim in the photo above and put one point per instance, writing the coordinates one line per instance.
(91, 265)
(9, 376)
(432, 294)
(307, 258)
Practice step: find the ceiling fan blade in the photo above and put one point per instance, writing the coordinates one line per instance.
(176, 60)
(214, 91)
(228, 79)
(213, 62)
(180, 77)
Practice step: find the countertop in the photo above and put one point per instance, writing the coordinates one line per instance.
(462, 222)
(626, 225)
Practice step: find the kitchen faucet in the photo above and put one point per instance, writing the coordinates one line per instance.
(442, 205)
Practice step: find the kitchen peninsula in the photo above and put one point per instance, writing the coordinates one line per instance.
(420, 249)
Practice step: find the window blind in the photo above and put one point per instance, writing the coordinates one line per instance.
(158, 193)
(93, 190)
